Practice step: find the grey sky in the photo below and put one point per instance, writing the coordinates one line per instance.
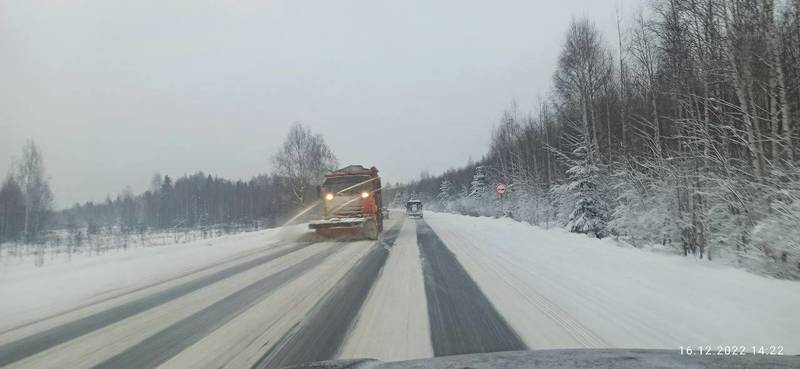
(115, 90)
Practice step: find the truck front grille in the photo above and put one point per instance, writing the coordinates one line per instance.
(345, 207)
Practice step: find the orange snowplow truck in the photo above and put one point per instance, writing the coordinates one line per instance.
(351, 202)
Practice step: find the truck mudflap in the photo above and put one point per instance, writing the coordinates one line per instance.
(333, 223)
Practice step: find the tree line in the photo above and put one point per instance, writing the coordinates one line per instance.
(190, 201)
(685, 136)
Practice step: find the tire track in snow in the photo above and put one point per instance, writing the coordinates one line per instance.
(117, 295)
(243, 340)
(175, 338)
(462, 319)
(393, 322)
(321, 335)
(41, 341)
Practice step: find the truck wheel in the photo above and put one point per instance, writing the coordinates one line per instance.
(371, 230)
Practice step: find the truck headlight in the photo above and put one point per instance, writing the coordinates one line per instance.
(329, 197)
(365, 194)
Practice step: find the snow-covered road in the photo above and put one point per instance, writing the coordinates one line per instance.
(444, 285)
(565, 290)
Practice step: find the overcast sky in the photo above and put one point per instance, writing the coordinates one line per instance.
(116, 90)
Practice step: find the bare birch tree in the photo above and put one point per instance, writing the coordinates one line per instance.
(35, 188)
(303, 159)
(584, 66)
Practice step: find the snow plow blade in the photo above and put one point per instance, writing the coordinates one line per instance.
(337, 223)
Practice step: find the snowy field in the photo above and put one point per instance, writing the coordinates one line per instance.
(57, 246)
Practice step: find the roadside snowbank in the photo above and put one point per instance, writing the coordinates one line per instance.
(28, 292)
(560, 289)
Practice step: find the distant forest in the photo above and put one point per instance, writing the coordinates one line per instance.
(188, 201)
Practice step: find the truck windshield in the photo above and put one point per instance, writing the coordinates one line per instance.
(347, 184)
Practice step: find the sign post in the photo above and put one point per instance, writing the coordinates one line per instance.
(500, 188)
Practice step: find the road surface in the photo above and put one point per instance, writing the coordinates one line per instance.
(287, 304)
(440, 286)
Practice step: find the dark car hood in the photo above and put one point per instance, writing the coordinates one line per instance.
(569, 359)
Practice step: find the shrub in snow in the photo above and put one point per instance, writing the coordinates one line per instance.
(534, 206)
(478, 199)
(778, 236)
(473, 206)
(643, 209)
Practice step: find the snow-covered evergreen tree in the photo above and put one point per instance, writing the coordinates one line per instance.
(479, 185)
(589, 212)
(445, 195)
